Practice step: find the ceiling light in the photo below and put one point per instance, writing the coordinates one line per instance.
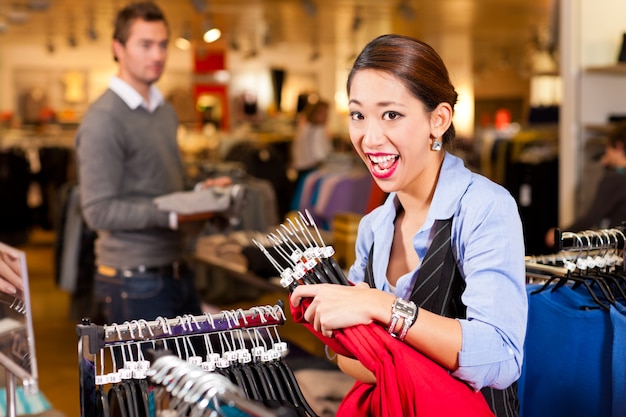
(406, 10)
(38, 5)
(92, 34)
(357, 20)
(198, 5)
(212, 35)
(310, 8)
(184, 40)
(210, 32)
(182, 43)
(17, 16)
(72, 41)
(234, 44)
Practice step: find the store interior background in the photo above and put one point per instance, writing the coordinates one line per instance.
(512, 61)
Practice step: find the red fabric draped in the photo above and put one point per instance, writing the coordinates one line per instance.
(408, 383)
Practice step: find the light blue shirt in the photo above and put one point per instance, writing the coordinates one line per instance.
(488, 244)
(132, 98)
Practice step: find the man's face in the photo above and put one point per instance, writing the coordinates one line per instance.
(142, 58)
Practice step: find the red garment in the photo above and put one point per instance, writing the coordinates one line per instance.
(408, 383)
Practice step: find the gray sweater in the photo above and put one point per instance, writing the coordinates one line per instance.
(126, 158)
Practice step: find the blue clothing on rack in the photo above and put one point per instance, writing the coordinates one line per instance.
(567, 368)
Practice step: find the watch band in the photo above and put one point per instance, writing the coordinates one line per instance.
(406, 310)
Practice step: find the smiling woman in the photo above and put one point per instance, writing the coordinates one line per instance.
(440, 265)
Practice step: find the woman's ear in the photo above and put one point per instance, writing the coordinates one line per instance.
(440, 119)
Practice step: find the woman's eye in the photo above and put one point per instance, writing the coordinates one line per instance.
(355, 115)
(391, 115)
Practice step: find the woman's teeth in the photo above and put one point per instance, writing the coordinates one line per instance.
(383, 162)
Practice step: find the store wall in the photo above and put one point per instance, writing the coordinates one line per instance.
(25, 66)
(590, 35)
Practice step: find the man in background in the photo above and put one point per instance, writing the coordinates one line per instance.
(608, 206)
(127, 156)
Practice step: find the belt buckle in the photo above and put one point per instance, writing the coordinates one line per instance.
(107, 271)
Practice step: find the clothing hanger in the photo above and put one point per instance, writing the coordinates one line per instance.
(587, 263)
(117, 401)
(569, 276)
(102, 399)
(601, 268)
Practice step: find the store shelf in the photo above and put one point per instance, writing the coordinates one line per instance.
(601, 129)
(617, 69)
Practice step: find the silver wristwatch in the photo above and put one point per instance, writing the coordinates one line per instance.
(402, 309)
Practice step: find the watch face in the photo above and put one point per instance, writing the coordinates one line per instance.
(403, 308)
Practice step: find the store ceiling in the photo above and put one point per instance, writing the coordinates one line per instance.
(498, 27)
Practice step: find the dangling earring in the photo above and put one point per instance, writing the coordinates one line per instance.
(436, 145)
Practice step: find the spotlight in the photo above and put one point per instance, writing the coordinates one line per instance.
(91, 33)
(72, 41)
(310, 8)
(212, 35)
(184, 40)
(406, 10)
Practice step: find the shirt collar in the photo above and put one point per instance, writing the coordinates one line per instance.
(132, 98)
(454, 178)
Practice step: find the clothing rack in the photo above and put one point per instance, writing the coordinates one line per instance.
(576, 299)
(587, 240)
(579, 250)
(94, 338)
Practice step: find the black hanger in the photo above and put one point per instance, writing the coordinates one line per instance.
(117, 402)
(102, 402)
(568, 277)
(142, 397)
(130, 396)
(289, 379)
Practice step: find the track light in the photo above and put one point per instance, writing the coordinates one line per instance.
(50, 47)
(212, 35)
(309, 7)
(92, 34)
(406, 10)
(184, 40)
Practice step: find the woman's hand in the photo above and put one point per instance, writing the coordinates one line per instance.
(10, 274)
(338, 306)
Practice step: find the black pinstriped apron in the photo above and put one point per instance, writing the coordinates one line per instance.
(438, 289)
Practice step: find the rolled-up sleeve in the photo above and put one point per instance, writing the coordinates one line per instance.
(490, 253)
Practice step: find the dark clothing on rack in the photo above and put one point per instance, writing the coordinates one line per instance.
(265, 162)
(608, 207)
(15, 176)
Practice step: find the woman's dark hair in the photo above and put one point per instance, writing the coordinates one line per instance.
(144, 10)
(416, 65)
(618, 135)
(311, 110)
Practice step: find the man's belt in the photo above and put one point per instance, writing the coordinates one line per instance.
(175, 269)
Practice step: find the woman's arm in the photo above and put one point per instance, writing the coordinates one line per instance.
(336, 307)
(355, 369)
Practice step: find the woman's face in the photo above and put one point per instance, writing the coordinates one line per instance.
(392, 131)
